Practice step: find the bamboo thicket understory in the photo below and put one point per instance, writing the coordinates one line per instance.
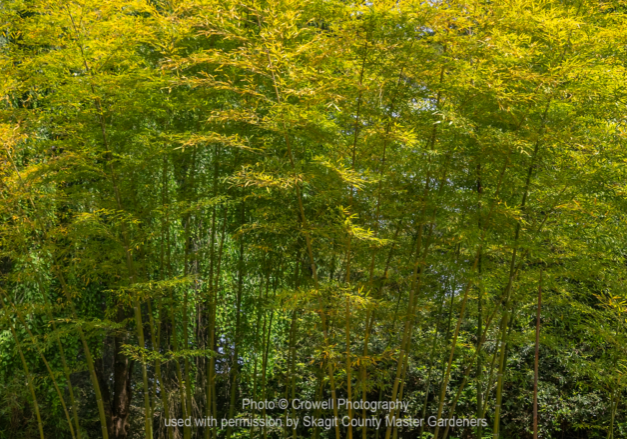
(210, 205)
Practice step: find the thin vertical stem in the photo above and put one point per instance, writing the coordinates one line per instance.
(536, 361)
(29, 377)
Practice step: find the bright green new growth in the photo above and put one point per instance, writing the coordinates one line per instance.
(204, 202)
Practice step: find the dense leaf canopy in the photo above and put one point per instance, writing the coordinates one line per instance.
(210, 202)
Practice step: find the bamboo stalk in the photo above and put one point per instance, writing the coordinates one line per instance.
(488, 388)
(43, 358)
(47, 307)
(291, 366)
(293, 335)
(499, 385)
(211, 293)
(510, 277)
(88, 357)
(479, 306)
(348, 368)
(308, 239)
(258, 311)
(179, 372)
(430, 370)
(416, 285)
(136, 304)
(236, 341)
(416, 279)
(31, 386)
(66, 369)
(503, 301)
(264, 368)
(536, 361)
(186, 270)
(173, 317)
(162, 272)
(213, 318)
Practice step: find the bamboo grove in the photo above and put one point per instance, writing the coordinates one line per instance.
(206, 202)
